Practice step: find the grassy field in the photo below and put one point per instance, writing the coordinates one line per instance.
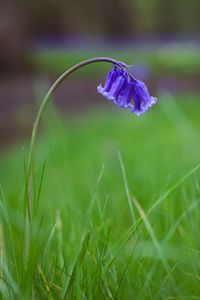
(116, 203)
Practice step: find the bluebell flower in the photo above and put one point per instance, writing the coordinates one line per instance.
(125, 91)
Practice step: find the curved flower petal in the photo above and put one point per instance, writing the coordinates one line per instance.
(142, 99)
(117, 87)
(125, 96)
(109, 81)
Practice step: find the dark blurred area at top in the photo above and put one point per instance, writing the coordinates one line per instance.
(40, 39)
(24, 22)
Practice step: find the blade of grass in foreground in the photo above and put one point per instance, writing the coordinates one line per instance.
(88, 218)
(172, 188)
(126, 186)
(78, 261)
(157, 246)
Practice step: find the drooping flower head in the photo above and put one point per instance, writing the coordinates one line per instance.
(125, 91)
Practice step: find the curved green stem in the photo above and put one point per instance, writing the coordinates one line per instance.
(47, 99)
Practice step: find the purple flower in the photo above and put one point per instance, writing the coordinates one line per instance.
(125, 91)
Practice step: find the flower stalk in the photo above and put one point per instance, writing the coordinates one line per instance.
(43, 107)
(120, 87)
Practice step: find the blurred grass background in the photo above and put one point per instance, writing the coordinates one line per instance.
(169, 60)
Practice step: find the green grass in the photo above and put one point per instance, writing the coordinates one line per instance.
(116, 203)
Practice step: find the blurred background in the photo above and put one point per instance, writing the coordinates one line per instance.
(39, 40)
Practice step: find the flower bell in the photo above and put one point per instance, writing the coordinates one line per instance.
(125, 91)
(117, 86)
(108, 84)
(142, 99)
